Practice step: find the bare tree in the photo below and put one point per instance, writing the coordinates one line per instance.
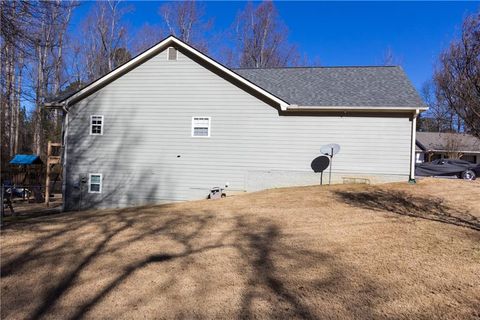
(458, 75)
(261, 39)
(185, 20)
(47, 66)
(61, 17)
(77, 66)
(32, 53)
(15, 40)
(146, 37)
(389, 58)
(453, 146)
(104, 35)
(439, 118)
(17, 103)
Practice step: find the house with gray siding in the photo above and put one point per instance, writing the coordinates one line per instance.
(172, 123)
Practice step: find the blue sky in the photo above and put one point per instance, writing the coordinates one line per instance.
(344, 33)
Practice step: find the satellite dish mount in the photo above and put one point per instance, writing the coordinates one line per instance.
(330, 150)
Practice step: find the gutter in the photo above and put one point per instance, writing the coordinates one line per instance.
(350, 108)
(447, 151)
(56, 105)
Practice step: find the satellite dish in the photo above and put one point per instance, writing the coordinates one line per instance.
(330, 149)
(320, 163)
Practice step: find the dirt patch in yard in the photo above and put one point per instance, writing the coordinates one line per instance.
(339, 252)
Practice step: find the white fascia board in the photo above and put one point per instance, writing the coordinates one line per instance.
(446, 151)
(155, 50)
(350, 108)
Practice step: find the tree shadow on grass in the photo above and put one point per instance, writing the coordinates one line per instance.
(111, 241)
(405, 204)
(258, 249)
(291, 279)
(273, 267)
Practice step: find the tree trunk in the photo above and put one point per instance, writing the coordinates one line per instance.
(12, 105)
(18, 103)
(7, 121)
(38, 136)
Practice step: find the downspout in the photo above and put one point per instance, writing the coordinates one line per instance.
(412, 145)
(64, 158)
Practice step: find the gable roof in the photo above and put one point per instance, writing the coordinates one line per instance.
(339, 87)
(170, 41)
(310, 88)
(445, 141)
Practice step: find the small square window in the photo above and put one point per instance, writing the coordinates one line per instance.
(96, 125)
(201, 127)
(94, 183)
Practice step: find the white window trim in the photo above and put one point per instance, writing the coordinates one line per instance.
(209, 127)
(91, 125)
(90, 180)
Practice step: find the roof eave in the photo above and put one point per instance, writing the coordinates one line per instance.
(53, 105)
(447, 151)
(354, 108)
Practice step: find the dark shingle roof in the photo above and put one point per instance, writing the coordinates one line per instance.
(443, 141)
(338, 86)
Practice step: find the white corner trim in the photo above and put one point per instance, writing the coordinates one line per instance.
(64, 160)
(413, 144)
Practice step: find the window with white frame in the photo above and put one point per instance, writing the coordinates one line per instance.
(96, 125)
(94, 183)
(201, 127)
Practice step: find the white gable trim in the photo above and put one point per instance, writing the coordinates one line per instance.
(161, 46)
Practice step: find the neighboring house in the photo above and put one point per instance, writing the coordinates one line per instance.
(438, 145)
(172, 123)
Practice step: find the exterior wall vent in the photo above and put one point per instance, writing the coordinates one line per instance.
(172, 53)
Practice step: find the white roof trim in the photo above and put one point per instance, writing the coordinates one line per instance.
(154, 51)
(447, 151)
(353, 108)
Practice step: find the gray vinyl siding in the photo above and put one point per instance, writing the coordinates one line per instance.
(147, 153)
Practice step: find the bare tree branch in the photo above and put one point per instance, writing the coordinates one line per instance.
(458, 76)
(261, 38)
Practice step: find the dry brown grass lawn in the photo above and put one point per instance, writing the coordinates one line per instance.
(394, 251)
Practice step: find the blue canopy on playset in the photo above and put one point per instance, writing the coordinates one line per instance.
(26, 159)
